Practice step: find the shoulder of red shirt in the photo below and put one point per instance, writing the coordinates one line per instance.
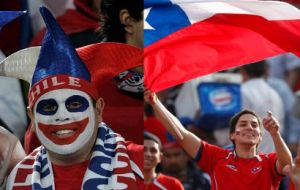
(169, 182)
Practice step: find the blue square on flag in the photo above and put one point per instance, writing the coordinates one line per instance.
(219, 102)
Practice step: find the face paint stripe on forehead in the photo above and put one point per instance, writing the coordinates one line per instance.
(60, 82)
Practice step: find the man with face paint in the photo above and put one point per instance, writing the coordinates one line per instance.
(242, 168)
(65, 122)
(78, 150)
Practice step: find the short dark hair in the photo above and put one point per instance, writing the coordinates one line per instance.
(236, 117)
(255, 70)
(152, 137)
(112, 28)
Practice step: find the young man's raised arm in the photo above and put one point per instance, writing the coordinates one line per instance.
(284, 155)
(190, 142)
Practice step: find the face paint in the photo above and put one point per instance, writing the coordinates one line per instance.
(64, 120)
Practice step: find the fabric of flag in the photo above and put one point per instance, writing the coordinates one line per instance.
(8, 16)
(185, 39)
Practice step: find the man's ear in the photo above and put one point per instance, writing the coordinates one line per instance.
(126, 20)
(99, 108)
(161, 157)
(260, 137)
(30, 115)
(231, 136)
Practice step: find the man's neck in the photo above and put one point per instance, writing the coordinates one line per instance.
(77, 157)
(149, 175)
(245, 151)
(69, 159)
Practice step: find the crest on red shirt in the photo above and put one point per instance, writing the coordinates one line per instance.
(255, 170)
(231, 166)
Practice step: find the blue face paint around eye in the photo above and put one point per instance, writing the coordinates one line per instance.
(47, 107)
(77, 103)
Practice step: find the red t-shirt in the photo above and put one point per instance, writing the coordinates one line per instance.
(69, 177)
(163, 182)
(227, 171)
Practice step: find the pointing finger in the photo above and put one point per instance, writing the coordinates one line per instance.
(270, 114)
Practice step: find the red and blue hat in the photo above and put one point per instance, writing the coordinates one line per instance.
(58, 65)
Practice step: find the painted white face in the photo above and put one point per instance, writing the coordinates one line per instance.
(64, 120)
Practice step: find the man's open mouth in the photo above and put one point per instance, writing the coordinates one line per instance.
(65, 133)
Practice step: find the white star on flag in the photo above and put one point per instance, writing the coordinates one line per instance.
(147, 26)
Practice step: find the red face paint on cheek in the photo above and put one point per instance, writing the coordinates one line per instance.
(237, 132)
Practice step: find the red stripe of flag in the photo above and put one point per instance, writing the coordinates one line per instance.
(220, 42)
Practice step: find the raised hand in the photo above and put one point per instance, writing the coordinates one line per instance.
(149, 96)
(271, 124)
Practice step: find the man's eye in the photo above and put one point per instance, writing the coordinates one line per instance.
(254, 125)
(74, 105)
(49, 108)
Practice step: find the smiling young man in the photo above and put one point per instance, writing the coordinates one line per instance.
(79, 151)
(242, 168)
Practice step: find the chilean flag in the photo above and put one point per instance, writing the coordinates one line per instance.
(185, 39)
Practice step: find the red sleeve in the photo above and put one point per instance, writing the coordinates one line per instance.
(272, 158)
(209, 155)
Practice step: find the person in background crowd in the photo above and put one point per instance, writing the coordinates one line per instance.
(152, 157)
(176, 163)
(11, 152)
(122, 22)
